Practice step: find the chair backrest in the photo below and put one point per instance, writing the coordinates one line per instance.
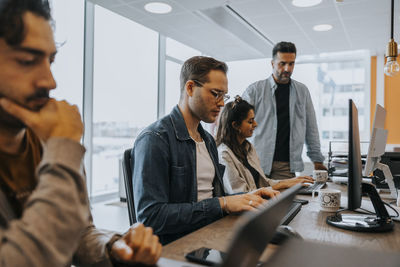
(127, 169)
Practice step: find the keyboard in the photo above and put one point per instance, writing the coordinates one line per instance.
(345, 180)
(314, 187)
(294, 208)
(278, 237)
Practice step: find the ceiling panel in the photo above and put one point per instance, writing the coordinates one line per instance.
(316, 16)
(193, 5)
(293, 9)
(368, 9)
(179, 21)
(258, 8)
(356, 24)
(128, 12)
(275, 21)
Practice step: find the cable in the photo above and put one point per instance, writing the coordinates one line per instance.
(360, 210)
(392, 20)
(397, 213)
(365, 211)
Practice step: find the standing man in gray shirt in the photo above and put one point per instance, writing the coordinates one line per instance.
(286, 118)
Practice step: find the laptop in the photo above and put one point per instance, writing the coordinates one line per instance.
(254, 231)
(257, 229)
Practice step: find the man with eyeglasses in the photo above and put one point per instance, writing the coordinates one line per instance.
(177, 179)
(286, 118)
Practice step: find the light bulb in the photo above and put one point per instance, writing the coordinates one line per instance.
(391, 68)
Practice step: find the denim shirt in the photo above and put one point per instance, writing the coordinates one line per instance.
(303, 123)
(165, 182)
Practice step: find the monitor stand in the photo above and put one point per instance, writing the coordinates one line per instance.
(381, 222)
(388, 178)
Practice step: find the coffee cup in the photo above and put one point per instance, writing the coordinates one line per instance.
(320, 176)
(329, 199)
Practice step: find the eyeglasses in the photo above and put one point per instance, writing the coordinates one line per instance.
(218, 95)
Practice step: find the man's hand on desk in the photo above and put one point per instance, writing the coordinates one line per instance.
(320, 166)
(249, 201)
(138, 245)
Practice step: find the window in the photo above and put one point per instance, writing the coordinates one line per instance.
(176, 53)
(172, 85)
(326, 112)
(339, 135)
(179, 51)
(325, 134)
(332, 79)
(340, 112)
(125, 92)
(245, 72)
(68, 66)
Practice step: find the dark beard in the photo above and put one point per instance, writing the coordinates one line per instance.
(9, 121)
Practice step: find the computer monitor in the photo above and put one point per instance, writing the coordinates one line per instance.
(354, 160)
(376, 149)
(381, 221)
(377, 143)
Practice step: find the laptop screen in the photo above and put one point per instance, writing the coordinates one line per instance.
(256, 229)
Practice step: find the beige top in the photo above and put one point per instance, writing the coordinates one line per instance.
(237, 178)
(205, 172)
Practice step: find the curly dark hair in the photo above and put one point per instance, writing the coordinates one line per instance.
(234, 113)
(11, 17)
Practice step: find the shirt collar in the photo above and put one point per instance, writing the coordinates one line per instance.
(178, 122)
(273, 85)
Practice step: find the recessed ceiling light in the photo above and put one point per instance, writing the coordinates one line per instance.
(306, 3)
(322, 27)
(158, 8)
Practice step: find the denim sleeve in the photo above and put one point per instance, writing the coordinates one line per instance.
(312, 136)
(151, 184)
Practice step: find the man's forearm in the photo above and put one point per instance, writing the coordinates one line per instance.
(56, 213)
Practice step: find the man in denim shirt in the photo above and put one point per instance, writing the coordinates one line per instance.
(177, 180)
(286, 118)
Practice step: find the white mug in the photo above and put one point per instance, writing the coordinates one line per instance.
(320, 176)
(329, 199)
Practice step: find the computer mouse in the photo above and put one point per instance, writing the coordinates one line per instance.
(283, 233)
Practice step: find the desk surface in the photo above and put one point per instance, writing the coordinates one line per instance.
(309, 222)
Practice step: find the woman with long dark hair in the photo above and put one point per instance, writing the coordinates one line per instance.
(243, 171)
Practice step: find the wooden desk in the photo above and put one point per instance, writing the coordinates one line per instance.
(309, 222)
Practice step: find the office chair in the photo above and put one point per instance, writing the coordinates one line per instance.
(127, 169)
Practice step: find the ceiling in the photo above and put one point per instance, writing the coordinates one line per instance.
(247, 29)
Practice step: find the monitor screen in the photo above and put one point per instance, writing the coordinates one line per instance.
(354, 160)
(377, 141)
